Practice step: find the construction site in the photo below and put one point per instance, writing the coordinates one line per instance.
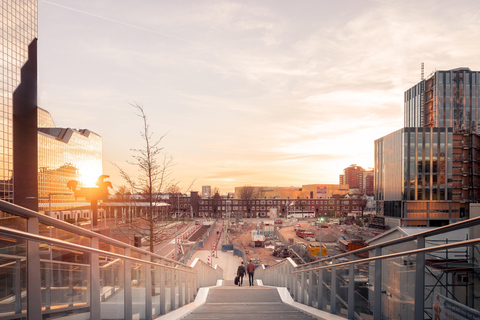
(269, 242)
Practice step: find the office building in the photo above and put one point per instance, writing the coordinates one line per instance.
(65, 154)
(18, 87)
(427, 174)
(36, 158)
(448, 98)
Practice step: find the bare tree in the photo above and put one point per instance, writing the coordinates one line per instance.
(248, 194)
(216, 204)
(363, 203)
(175, 193)
(154, 168)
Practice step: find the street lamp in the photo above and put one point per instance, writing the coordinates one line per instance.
(176, 228)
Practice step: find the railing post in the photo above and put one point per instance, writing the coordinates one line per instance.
(420, 281)
(94, 282)
(127, 287)
(351, 289)
(189, 287)
(181, 291)
(18, 286)
(310, 288)
(295, 287)
(162, 291)
(333, 291)
(172, 289)
(34, 303)
(148, 288)
(377, 301)
(302, 288)
(290, 279)
(48, 282)
(320, 290)
(70, 285)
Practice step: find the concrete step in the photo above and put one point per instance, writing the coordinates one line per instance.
(257, 311)
(259, 303)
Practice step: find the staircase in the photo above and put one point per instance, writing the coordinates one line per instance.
(231, 302)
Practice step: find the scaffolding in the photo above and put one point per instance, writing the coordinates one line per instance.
(455, 274)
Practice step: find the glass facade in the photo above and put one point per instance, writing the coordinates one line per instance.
(413, 169)
(66, 154)
(414, 164)
(446, 99)
(18, 19)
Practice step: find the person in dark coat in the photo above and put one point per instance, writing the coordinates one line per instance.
(240, 274)
(250, 271)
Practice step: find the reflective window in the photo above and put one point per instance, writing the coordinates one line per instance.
(66, 154)
(19, 29)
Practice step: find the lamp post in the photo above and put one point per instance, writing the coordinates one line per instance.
(176, 229)
(230, 207)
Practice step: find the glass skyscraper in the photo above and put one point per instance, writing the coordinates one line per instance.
(36, 158)
(445, 99)
(427, 173)
(18, 78)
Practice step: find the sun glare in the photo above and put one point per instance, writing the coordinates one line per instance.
(89, 175)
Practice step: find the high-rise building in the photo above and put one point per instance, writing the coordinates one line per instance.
(426, 174)
(448, 98)
(18, 85)
(206, 191)
(358, 179)
(36, 158)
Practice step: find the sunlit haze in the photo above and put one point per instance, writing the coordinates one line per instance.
(264, 93)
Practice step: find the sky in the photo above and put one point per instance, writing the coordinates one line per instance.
(261, 93)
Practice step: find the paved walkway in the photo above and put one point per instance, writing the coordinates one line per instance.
(231, 302)
(225, 260)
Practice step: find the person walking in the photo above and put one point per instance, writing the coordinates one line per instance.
(240, 274)
(250, 271)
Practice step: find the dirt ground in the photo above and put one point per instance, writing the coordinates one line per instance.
(241, 235)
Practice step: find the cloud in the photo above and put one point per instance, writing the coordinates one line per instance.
(270, 92)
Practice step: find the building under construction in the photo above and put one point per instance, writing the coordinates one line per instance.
(428, 173)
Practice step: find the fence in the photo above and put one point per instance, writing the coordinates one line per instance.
(198, 244)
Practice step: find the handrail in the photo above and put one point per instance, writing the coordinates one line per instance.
(331, 285)
(165, 275)
(451, 227)
(27, 213)
(397, 254)
(74, 246)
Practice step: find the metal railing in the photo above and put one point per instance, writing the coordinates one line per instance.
(401, 279)
(198, 244)
(77, 272)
